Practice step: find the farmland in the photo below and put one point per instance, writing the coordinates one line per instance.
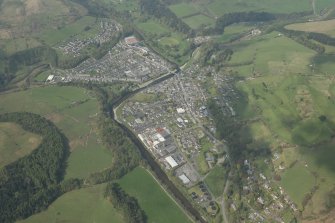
(84, 205)
(15, 143)
(158, 206)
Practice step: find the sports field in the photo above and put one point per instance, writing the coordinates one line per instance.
(158, 206)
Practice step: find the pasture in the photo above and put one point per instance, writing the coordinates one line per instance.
(54, 36)
(220, 7)
(157, 205)
(75, 112)
(86, 205)
(153, 27)
(15, 142)
(297, 181)
(198, 21)
(184, 9)
(326, 27)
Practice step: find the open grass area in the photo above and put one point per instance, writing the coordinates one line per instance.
(74, 111)
(216, 180)
(158, 206)
(220, 7)
(54, 36)
(183, 9)
(326, 27)
(15, 142)
(198, 21)
(233, 31)
(85, 206)
(297, 182)
(153, 27)
(18, 44)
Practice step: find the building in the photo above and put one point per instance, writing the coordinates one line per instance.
(131, 40)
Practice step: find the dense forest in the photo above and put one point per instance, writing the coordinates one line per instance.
(31, 183)
(127, 205)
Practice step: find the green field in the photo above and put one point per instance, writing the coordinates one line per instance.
(198, 21)
(85, 206)
(54, 36)
(157, 205)
(216, 180)
(273, 54)
(74, 111)
(326, 27)
(297, 182)
(234, 31)
(220, 7)
(14, 45)
(153, 27)
(15, 142)
(183, 9)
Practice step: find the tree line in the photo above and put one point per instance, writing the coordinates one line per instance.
(127, 205)
(30, 184)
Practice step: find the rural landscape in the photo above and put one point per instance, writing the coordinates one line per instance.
(159, 111)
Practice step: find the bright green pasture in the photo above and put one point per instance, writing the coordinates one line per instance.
(158, 206)
(85, 206)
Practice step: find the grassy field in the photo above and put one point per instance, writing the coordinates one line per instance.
(158, 206)
(220, 7)
(15, 142)
(216, 180)
(183, 9)
(273, 54)
(74, 111)
(298, 182)
(198, 21)
(54, 36)
(326, 27)
(85, 206)
(153, 27)
(234, 31)
(14, 45)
